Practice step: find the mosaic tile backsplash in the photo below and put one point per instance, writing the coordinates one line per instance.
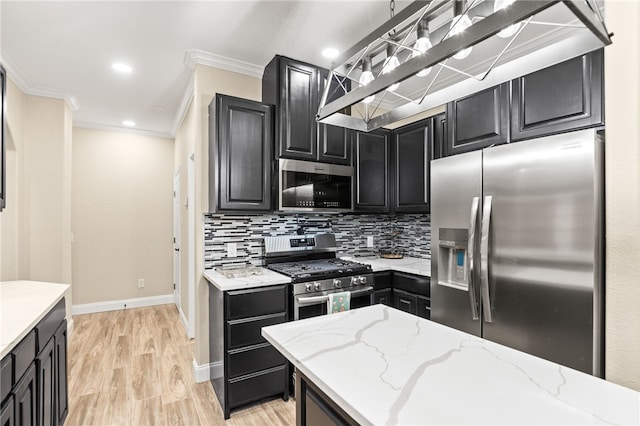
(410, 234)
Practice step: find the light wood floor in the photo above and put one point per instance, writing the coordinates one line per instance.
(133, 367)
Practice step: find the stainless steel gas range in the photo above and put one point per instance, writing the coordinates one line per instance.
(315, 271)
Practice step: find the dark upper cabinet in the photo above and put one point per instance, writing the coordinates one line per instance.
(295, 88)
(372, 153)
(412, 153)
(478, 121)
(440, 134)
(566, 96)
(240, 155)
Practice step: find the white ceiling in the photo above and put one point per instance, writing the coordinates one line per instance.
(65, 49)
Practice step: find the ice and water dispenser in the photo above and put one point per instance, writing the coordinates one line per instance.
(453, 258)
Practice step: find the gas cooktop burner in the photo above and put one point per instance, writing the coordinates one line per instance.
(320, 268)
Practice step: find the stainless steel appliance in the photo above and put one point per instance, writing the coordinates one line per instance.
(310, 261)
(518, 246)
(314, 187)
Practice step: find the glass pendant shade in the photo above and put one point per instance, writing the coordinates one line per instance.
(458, 25)
(423, 43)
(366, 77)
(511, 29)
(391, 64)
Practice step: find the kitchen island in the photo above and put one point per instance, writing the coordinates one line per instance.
(378, 365)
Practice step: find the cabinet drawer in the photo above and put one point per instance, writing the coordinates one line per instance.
(412, 283)
(405, 301)
(382, 280)
(24, 354)
(257, 386)
(252, 359)
(256, 302)
(50, 323)
(6, 376)
(246, 332)
(424, 307)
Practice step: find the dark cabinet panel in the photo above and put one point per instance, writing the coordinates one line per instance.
(45, 364)
(315, 408)
(256, 302)
(6, 376)
(23, 355)
(241, 138)
(257, 386)
(566, 96)
(372, 162)
(334, 143)
(416, 284)
(478, 121)
(440, 134)
(253, 358)
(61, 394)
(383, 280)
(25, 398)
(424, 307)
(412, 156)
(7, 413)
(384, 297)
(405, 301)
(245, 332)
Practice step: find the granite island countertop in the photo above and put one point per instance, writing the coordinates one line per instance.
(384, 366)
(22, 305)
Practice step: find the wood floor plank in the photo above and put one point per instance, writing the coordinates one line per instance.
(180, 413)
(83, 412)
(147, 412)
(114, 402)
(144, 377)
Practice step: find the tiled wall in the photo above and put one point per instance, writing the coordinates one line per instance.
(410, 234)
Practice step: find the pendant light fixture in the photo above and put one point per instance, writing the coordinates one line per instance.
(511, 29)
(460, 23)
(366, 77)
(391, 64)
(423, 43)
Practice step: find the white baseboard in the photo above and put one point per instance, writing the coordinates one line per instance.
(183, 318)
(70, 324)
(115, 305)
(202, 373)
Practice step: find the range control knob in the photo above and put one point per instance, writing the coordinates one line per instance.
(317, 286)
(337, 283)
(354, 281)
(363, 280)
(308, 287)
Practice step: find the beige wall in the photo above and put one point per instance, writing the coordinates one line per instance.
(622, 89)
(193, 138)
(122, 215)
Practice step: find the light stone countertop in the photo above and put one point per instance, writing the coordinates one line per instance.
(22, 305)
(384, 366)
(411, 265)
(266, 278)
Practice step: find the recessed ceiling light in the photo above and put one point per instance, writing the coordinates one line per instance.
(120, 67)
(330, 52)
(128, 123)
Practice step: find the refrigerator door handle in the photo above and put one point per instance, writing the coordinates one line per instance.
(470, 250)
(484, 259)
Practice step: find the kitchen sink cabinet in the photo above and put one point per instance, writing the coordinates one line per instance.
(412, 154)
(372, 154)
(478, 120)
(295, 88)
(567, 96)
(240, 155)
(248, 368)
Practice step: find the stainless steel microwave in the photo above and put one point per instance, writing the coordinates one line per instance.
(314, 187)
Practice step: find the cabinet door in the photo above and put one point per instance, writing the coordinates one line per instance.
(7, 413)
(405, 301)
(440, 134)
(412, 156)
(45, 364)
(61, 395)
(384, 297)
(334, 143)
(566, 96)
(244, 132)
(298, 107)
(25, 394)
(372, 162)
(478, 121)
(424, 307)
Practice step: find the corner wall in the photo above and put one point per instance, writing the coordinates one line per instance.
(622, 107)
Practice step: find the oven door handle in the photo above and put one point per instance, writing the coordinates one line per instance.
(315, 299)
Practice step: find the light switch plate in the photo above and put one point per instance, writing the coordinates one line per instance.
(370, 241)
(232, 250)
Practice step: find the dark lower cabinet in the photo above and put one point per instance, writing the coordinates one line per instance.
(566, 96)
(384, 297)
(424, 307)
(478, 121)
(240, 155)
(248, 368)
(34, 375)
(405, 301)
(412, 153)
(373, 189)
(315, 408)
(406, 292)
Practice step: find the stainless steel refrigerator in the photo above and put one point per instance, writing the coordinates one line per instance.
(518, 246)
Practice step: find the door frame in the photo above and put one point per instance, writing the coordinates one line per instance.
(191, 239)
(177, 220)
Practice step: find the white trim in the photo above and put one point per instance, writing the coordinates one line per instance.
(198, 56)
(116, 305)
(105, 127)
(191, 243)
(202, 373)
(70, 326)
(183, 319)
(15, 74)
(183, 107)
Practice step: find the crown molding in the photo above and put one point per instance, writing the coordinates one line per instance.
(198, 56)
(17, 76)
(183, 107)
(104, 127)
